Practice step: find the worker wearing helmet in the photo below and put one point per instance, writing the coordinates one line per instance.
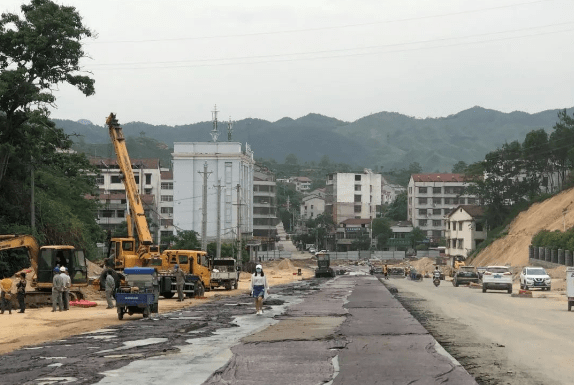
(179, 282)
(58, 285)
(67, 284)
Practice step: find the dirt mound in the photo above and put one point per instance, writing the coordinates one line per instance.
(513, 248)
(424, 265)
(94, 270)
(285, 264)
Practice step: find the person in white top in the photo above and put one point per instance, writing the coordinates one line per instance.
(67, 284)
(259, 288)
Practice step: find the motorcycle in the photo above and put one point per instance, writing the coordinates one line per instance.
(436, 281)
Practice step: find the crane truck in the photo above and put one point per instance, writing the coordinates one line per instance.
(127, 252)
(43, 260)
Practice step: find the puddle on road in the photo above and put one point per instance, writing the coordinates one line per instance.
(194, 363)
(55, 380)
(135, 344)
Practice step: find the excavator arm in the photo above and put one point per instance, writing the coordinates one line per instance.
(8, 242)
(135, 203)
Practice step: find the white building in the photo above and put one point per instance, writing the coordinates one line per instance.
(302, 183)
(389, 191)
(431, 197)
(353, 195)
(312, 205)
(226, 164)
(166, 205)
(264, 208)
(147, 174)
(465, 230)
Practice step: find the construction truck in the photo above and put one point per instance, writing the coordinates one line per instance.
(43, 260)
(127, 252)
(225, 273)
(323, 265)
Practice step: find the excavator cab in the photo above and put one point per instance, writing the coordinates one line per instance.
(66, 256)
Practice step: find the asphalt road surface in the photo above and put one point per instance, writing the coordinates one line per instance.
(499, 339)
(345, 330)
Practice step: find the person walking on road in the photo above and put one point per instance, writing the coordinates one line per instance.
(6, 296)
(67, 284)
(21, 292)
(58, 285)
(386, 271)
(259, 288)
(110, 286)
(179, 282)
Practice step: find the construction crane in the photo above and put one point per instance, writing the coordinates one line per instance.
(128, 252)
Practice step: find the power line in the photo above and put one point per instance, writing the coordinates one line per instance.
(321, 28)
(331, 51)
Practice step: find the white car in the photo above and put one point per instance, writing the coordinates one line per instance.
(535, 277)
(498, 278)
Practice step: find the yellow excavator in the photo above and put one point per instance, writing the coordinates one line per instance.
(128, 251)
(43, 260)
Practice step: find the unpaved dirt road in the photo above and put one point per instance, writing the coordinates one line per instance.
(499, 339)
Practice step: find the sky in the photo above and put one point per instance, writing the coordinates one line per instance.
(170, 61)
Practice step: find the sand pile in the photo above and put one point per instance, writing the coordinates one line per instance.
(285, 264)
(513, 248)
(424, 265)
(94, 270)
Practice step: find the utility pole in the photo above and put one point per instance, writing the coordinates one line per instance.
(239, 221)
(219, 187)
(204, 208)
(32, 206)
(215, 132)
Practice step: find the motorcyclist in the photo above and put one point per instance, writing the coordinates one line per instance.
(436, 273)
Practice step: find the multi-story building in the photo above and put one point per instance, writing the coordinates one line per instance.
(353, 195)
(147, 174)
(264, 208)
(351, 230)
(312, 205)
(302, 183)
(389, 191)
(166, 205)
(228, 165)
(431, 197)
(465, 230)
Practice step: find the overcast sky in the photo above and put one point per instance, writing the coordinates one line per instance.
(170, 61)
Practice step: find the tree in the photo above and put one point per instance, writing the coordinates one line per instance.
(228, 250)
(39, 51)
(291, 160)
(185, 240)
(397, 210)
(416, 236)
(382, 231)
(459, 167)
(561, 141)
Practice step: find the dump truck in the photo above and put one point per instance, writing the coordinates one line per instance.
(43, 260)
(128, 252)
(225, 273)
(323, 266)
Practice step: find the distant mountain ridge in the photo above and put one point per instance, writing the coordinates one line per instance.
(384, 139)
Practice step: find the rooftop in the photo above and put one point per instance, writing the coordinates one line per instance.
(438, 177)
(474, 211)
(136, 163)
(356, 221)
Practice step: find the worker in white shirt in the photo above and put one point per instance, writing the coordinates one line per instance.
(259, 288)
(67, 284)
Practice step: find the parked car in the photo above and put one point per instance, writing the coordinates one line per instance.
(465, 275)
(480, 271)
(376, 270)
(498, 278)
(531, 277)
(312, 250)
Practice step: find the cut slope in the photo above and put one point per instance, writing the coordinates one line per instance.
(513, 248)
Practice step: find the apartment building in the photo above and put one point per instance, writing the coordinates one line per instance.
(353, 195)
(302, 183)
(312, 205)
(433, 196)
(465, 230)
(147, 174)
(166, 205)
(265, 218)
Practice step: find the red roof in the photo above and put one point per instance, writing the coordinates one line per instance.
(167, 175)
(439, 177)
(107, 162)
(356, 221)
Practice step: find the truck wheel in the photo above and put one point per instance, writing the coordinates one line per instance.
(570, 305)
(455, 283)
(236, 285)
(200, 291)
(483, 289)
(146, 312)
(168, 295)
(121, 312)
(510, 290)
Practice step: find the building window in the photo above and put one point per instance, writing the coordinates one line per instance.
(479, 226)
(461, 243)
(448, 225)
(460, 226)
(166, 234)
(108, 213)
(422, 211)
(357, 199)
(471, 201)
(167, 198)
(437, 190)
(147, 178)
(311, 207)
(448, 201)
(167, 210)
(445, 211)
(167, 185)
(410, 201)
(410, 190)
(436, 223)
(436, 234)
(422, 190)
(437, 201)
(422, 201)
(116, 179)
(436, 212)
(120, 213)
(422, 222)
(357, 209)
(166, 222)
(147, 191)
(357, 187)
(357, 177)
(100, 179)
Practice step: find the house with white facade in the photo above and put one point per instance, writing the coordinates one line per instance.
(353, 195)
(465, 230)
(227, 164)
(431, 197)
(312, 205)
(389, 191)
(302, 183)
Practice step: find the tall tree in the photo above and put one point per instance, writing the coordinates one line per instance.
(459, 167)
(561, 141)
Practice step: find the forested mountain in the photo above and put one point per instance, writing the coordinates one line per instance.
(384, 139)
